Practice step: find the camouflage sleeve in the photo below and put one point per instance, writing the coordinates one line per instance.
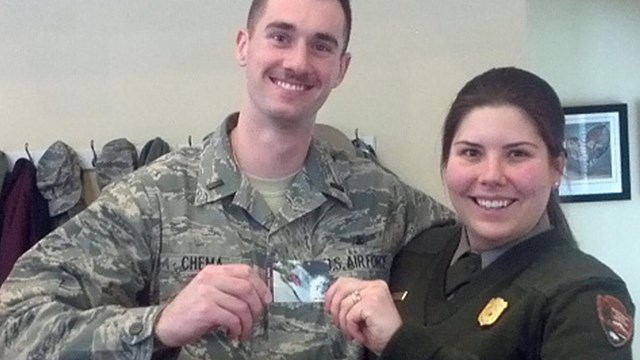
(82, 291)
(422, 212)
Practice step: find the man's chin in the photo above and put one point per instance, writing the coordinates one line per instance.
(291, 116)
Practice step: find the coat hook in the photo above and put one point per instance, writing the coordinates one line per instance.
(26, 149)
(95, 156)
(189, 141)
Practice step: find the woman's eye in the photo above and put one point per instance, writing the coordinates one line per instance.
(518, 154)
(470, 153)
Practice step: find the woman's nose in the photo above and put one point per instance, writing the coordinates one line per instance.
(492, 172)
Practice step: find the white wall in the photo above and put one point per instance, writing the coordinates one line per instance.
(589, 50)
(82, 70)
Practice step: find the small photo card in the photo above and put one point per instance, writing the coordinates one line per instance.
(300, 281)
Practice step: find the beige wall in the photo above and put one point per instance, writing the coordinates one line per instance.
(589, 50)
(410, 61)
(104, 69)
(99, 70)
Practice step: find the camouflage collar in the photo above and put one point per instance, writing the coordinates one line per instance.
(218, 175)
(325, 169)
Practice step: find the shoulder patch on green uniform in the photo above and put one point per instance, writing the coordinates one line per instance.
(615, 320)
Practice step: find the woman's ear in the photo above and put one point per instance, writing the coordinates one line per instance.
(559, 164)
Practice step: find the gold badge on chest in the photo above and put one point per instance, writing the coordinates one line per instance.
(492, 311)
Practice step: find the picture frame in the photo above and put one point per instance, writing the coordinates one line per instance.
(597, 144)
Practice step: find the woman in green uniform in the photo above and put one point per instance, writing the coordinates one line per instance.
(508, 281)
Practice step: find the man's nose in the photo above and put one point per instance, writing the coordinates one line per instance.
(297, 59)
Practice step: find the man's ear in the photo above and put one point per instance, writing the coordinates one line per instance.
(242, 42)
(345, 61)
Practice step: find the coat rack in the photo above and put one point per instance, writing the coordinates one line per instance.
(87, 156)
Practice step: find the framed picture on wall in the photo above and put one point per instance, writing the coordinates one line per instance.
(597, 147)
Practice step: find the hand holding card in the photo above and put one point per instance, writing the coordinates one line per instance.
(232, 297)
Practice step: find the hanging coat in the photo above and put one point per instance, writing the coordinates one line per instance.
(59, 179)
(25, 215)
(117, 158)
(152, 150)
(4, 175)
(4, 169)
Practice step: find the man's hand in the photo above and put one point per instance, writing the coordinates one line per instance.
(232, 297)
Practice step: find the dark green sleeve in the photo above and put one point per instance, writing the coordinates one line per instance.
(589, 320)
(412, 342)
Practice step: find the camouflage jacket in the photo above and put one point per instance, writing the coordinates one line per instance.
(93, 288)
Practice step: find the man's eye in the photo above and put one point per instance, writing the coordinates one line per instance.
(280, 38)
(322, 48)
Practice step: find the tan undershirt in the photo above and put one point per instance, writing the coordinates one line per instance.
(272, 190)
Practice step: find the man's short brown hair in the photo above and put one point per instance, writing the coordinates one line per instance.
(257, 6)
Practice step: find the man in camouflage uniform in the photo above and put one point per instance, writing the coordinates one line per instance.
(170, 262)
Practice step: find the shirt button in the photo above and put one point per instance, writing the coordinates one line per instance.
(135, 328)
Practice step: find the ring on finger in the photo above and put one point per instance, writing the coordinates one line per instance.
(355, 296)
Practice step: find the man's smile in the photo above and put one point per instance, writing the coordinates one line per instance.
(289, 85)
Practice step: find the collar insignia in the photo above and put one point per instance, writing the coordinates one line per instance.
(399, 296)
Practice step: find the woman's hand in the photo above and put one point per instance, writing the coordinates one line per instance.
(364, 311)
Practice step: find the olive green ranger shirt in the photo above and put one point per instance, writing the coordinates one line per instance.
(93, 288)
